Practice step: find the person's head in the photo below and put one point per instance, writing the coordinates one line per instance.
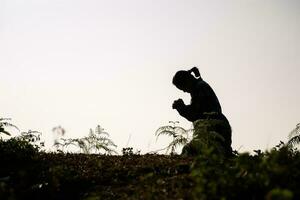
(185, 81)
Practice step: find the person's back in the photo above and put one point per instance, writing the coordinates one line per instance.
(204, 99)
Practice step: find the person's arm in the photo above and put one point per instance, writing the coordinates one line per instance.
(186, 111)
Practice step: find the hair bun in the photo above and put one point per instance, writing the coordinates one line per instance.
(195, 70)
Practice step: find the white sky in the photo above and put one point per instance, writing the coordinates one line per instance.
(80, 63)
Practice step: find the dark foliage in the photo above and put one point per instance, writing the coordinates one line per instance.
(27, 173)
(266, 175)
(19, 162)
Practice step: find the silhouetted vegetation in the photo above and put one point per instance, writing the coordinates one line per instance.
(294, 136)
(180, 136)
(27, 172)
(5, 124)
(97, 141)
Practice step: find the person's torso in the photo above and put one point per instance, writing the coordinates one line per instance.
(205, 99)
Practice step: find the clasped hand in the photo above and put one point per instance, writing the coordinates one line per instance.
(177, 104)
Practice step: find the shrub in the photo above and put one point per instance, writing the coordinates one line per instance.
(97, 141)
(248, 176)
(179, 135)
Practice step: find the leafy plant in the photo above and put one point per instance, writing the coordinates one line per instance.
(294, 136)
(4, 124)
(272, 174)
(206, 137)
(26, 173)
(95, 142)
(127, 151)
(62, 143)
(179, 135)
(32, 137)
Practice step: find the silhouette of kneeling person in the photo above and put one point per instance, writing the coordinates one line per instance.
(203, 102)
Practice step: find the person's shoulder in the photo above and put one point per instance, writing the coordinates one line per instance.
(201, 84)
(203, 88)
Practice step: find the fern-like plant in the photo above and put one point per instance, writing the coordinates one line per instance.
(180, 135)
(95, 142)
(62, 143)
(4, 124)
(294, 136)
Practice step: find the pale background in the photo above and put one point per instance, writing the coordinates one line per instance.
(79, 63)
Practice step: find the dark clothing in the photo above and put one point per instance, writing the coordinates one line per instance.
(203, 100)
(205, 110)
